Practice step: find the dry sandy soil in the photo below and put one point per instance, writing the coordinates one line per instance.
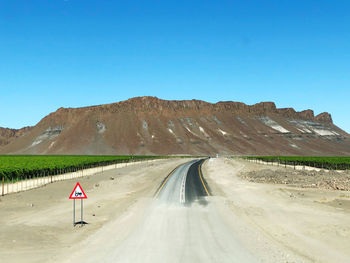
(36, 225)
(276, 222)
(281, 223)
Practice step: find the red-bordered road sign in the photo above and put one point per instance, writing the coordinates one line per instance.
(78, 192)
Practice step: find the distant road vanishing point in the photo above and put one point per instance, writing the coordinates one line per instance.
(181, 226)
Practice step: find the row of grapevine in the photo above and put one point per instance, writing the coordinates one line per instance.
(27, 166)
(330, 163)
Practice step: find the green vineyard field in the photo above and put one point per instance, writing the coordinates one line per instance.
(330, 163)
(17, 167)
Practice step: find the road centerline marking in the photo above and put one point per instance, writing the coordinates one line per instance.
(183, 189)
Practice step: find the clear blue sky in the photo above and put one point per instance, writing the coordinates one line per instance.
(74, 53)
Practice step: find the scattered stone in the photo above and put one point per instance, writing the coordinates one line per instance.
(111, 178)
(301, 178)
(97, 185)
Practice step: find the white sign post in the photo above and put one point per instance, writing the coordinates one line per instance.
(78, 193)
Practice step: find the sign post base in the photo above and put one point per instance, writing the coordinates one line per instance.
(78, 193)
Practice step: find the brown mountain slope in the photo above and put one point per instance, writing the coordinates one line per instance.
(8, 135)
(148, 125)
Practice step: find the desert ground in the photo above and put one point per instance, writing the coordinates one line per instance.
(281, 222)
(245, 218)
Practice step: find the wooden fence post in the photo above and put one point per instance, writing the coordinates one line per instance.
(3, 186)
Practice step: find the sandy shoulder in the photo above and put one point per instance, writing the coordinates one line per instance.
(281, 223)
(36, 225)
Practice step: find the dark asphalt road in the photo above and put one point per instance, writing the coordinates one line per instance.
(196, 187)
(184, 185)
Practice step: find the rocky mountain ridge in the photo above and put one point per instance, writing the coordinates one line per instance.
(148, 125)
(154, 104)
(7, 135)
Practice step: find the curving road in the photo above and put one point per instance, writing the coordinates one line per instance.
(181, 226)
(184, 185)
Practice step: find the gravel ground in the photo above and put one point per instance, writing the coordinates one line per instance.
(301, 178)
(283, 224)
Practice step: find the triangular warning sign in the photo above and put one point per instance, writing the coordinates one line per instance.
(78, 192)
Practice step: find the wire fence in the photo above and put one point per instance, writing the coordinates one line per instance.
(43, 178)
(297, 165)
